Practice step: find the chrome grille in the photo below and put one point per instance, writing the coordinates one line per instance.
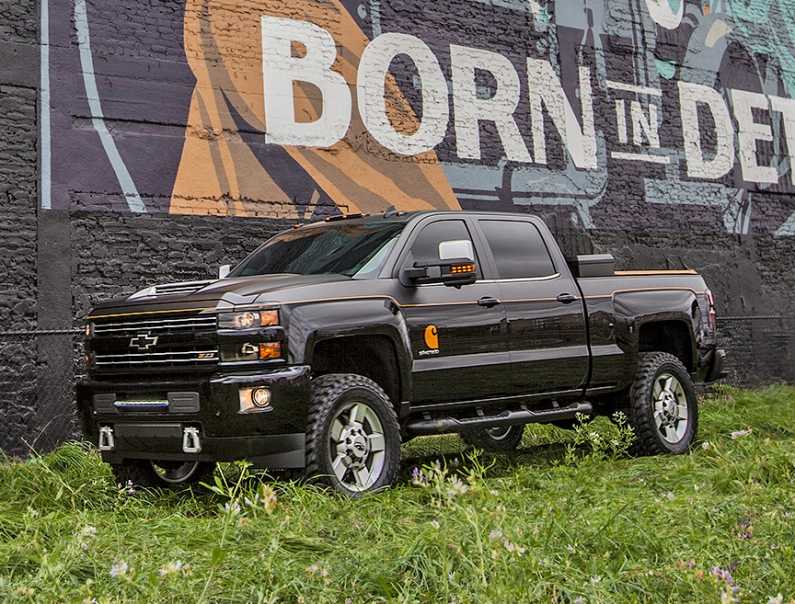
(171, 324)
(134, 343)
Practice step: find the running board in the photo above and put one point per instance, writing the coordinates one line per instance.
(506, 418)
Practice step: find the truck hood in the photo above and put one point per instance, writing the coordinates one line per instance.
(221, 292)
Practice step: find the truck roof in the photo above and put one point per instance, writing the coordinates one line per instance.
(393, 215)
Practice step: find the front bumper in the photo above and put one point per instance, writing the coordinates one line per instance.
(208, 407)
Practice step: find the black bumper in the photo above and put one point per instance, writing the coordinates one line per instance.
(209, 406)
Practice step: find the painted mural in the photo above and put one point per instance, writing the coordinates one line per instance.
(614, 113)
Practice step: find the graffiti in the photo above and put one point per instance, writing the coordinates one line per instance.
(287, 110)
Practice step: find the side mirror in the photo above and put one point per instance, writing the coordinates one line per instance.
(453, 272)
(224, 270)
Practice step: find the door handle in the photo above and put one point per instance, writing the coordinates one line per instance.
(566, 298)
(488, 302)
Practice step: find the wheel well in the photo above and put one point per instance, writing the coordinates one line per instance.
(371, 356)
(672, 337)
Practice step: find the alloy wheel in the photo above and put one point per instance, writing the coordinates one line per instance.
(670, 407)
(357, 446)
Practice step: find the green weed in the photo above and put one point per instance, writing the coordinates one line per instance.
(570, 517)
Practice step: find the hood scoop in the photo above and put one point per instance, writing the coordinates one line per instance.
(170, 289)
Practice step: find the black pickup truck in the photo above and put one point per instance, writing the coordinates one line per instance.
(335, 341)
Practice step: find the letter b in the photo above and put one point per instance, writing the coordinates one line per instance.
(280, 70)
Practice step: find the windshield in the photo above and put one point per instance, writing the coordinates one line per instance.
(355, 250)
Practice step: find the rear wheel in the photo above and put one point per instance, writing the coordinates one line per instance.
(353, 435)
(662, 407)
(169, 474)
(501, 438)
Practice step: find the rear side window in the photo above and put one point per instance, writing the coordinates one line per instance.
(518, 248)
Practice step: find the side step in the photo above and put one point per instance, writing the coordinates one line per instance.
(446, 425)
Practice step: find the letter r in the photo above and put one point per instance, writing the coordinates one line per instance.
(280, 70)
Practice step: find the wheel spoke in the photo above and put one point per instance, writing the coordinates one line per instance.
(339, 467)
(354, 414)
(369, 416)
(669, 383)
(657, 391)
(682, 411)
(377, 442)
(336, 430)
(658, 419)
(362, 477)
(670, 433)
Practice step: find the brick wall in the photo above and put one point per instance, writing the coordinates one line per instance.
(18, 201)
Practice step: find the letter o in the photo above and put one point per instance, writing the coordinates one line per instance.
(371, 92)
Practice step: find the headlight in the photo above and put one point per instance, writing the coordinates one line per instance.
(248, 319)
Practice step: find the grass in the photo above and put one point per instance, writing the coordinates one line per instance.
(566, 519)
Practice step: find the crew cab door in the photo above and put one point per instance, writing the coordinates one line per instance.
(547, 336)
(458, 334)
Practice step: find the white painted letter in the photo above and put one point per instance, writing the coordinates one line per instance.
(371, 90)
(786, 107)
(690, 95)
(749, 132)
(280, 70)
(470, 109)
(545, 88)
(645, 126)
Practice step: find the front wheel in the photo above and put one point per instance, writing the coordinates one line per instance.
(353, 435)
(501, 438)
(662, 407)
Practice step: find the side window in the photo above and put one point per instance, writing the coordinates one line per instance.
(518, 248)
(426, 247)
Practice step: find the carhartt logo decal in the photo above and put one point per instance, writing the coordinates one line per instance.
(432, 337)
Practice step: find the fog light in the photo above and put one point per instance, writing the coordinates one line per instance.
(270, 350)
(254, 399)
(261, 397)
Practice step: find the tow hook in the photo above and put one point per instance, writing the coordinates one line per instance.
(106, 440)
(190, 441)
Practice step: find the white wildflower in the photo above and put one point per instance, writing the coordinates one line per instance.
(456, 487)
(317, 569)
(495, 534)
(741, 433)
(513, 548)
(119, 569)
(172, 568)
(779, 599)
(232, 507)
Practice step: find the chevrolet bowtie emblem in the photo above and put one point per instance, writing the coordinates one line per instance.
(143, 342)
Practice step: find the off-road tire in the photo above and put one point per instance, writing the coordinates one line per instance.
(140, 473)
(482, 439)
(639, 407)
(330, 393)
